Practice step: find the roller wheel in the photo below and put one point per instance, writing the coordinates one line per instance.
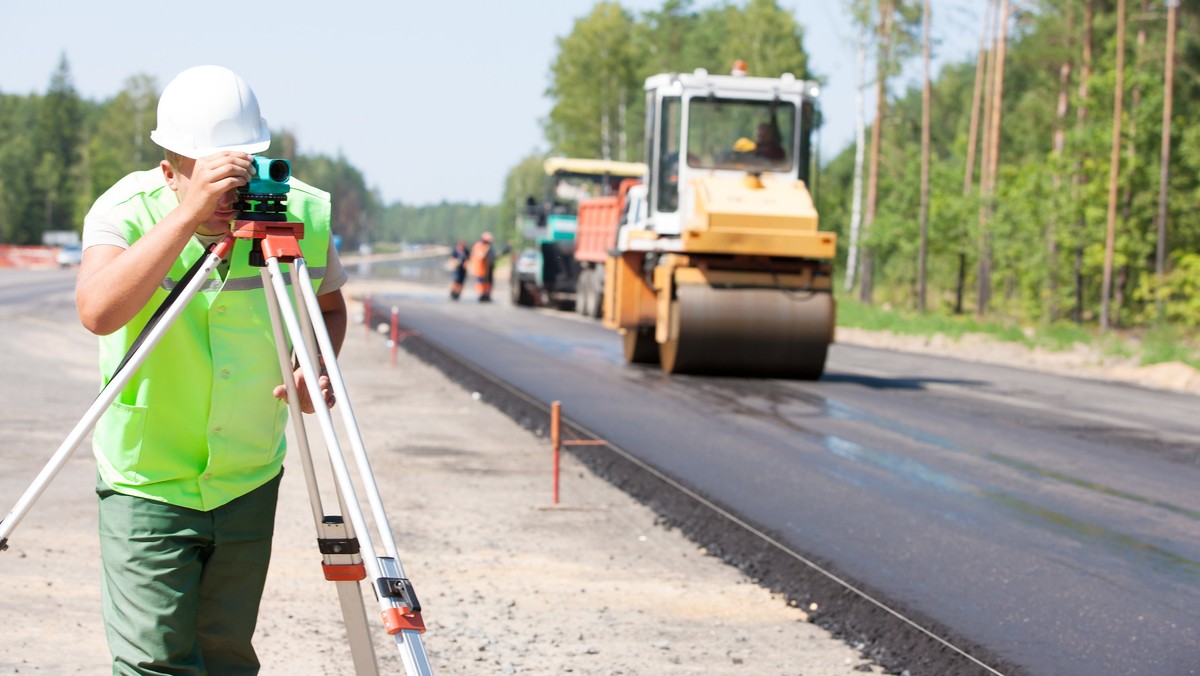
(640, 346)
(596, 291)
(583, 288)
(519, 293)
(748, 332)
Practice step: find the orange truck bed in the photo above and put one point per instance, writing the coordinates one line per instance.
(596, 224)
(596, 228)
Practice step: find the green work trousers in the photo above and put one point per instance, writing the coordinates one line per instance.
(181, 588)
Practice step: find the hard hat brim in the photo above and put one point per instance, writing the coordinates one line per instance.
(166, 142)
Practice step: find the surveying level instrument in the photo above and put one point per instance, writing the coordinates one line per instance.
(348, 551)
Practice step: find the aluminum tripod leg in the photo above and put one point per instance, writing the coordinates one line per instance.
(110, 391)
(329, 529)
(397, 600)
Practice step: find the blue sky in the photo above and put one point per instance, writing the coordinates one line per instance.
(431, 100)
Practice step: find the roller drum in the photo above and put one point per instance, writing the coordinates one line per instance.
(749, 332)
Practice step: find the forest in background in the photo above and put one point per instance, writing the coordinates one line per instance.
(1028, 185)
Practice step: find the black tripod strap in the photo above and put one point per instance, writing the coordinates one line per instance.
(174, 294)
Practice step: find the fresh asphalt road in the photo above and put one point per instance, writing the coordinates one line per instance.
(1053, 521)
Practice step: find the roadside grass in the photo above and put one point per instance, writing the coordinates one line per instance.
(1153, 345)
(1170, 343)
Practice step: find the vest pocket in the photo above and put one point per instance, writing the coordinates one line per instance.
(118, 436)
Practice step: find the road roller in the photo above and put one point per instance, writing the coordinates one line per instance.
(718, 265)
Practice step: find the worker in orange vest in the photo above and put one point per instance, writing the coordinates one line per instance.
(481, 265)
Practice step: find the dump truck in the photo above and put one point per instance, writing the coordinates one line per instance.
(546, 273)
(718, 266)
(598, 220)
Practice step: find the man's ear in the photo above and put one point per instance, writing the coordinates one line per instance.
(169, 174)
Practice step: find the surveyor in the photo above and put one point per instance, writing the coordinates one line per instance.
(190, 453)
(482, 265)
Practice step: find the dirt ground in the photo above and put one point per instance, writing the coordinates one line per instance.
(510, 584)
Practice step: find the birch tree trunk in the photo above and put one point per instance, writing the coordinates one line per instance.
(1114, 172)
(1135, 101)
(976, 96)
(1060, 144)
(972, 144)
(922, 247)
(1160, 252)
(884, 55)
(1081, 115)
(983, 292)
(1125, 273)
(860, 125)
(622, 135)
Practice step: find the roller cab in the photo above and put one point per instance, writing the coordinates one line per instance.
(721, 268)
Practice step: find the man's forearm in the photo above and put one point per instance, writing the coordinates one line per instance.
(115, 284)
(334, 314)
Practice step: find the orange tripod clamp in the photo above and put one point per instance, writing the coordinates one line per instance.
(280, 239)
(396, 620)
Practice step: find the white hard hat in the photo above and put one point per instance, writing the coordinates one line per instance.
(207, 110)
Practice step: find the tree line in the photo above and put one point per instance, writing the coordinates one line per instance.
(1052, 177)
(61, 151)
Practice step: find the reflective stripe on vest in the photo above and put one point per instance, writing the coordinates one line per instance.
(314, 274)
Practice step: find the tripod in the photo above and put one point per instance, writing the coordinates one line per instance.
(347, 549)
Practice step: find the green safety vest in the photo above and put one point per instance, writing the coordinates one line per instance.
(198, 426)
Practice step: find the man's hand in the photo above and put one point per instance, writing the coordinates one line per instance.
(206, 188)
(115, 283)
(306, 404)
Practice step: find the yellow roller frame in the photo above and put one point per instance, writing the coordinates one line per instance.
(752, 216)
(628, 299)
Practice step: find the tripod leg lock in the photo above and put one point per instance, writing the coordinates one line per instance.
(340, 558)
(334, 546)
(401, 590)
(408, 615)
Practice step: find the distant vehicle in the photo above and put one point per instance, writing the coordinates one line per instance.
(598, 221)
(716, 264)
(70, 256)
(525, 270)
(550, 224)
